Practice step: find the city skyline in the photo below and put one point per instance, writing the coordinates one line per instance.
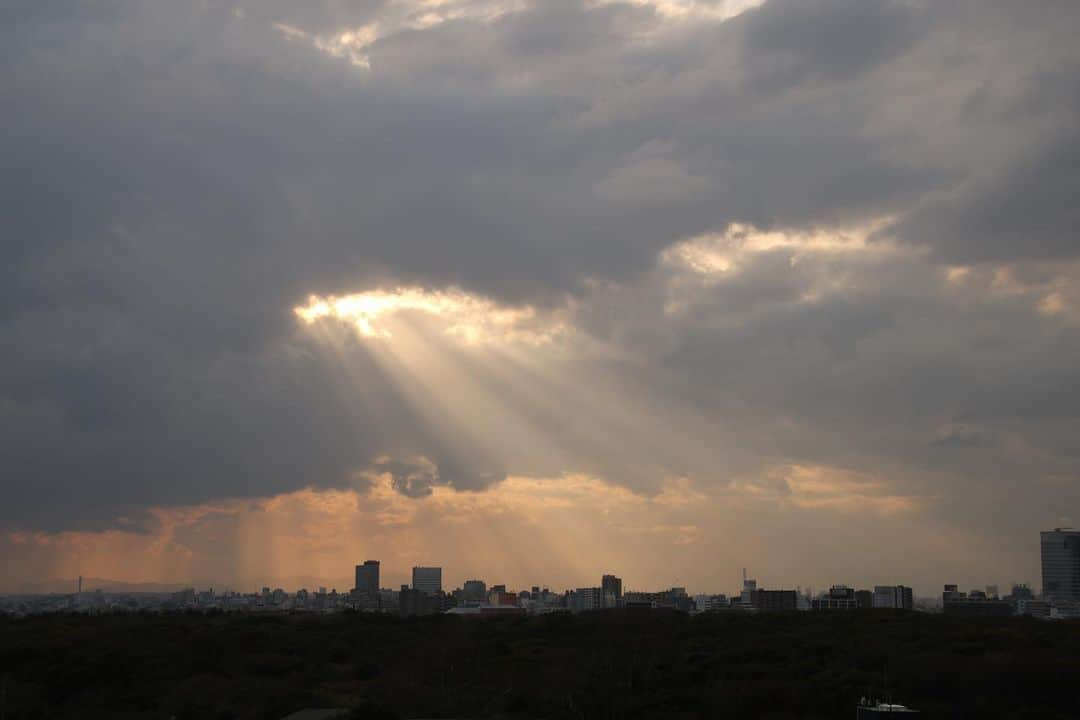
(429, 579)
(1058, 597)
(537, 290)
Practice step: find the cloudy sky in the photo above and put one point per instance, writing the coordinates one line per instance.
(538, 289)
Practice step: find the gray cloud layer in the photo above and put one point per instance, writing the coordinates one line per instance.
(178, 176)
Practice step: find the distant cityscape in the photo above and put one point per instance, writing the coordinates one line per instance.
(1059, 597)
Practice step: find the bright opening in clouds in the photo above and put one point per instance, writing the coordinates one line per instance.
(538, 290)
(471, 318)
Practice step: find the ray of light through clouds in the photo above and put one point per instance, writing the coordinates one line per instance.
(538, 290)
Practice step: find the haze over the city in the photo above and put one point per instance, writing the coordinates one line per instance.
(535, 290)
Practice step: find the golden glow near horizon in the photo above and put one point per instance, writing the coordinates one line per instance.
(316, 535)
(471, 318)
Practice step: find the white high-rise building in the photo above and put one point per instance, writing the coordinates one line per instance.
(1061, 564)
(427, 579)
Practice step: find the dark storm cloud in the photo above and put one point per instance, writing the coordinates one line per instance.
(1017, 124)
(418, 477)
(178, 176)
(789, 42)
(413, 479)
(1027, 210)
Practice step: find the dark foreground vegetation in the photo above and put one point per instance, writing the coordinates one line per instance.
(601, 665)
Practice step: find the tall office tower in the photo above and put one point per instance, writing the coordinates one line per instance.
(610, 591)
(427, 579)
(1061, 564)
(367, 578)
(611, 585)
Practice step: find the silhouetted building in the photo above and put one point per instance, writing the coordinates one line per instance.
(709, 603)
(503, 598)
(611, 586)
(1061, 564)
(748, 587)
(479, 610)
(583, 599)
(1019, 597)
(443, 601)
(427, 579)
(774, 600)
(367, 579)
(954, 602)
(1031, 606)
(635, 601)
(413, 602)
(839, 597)
(898, 597)
(474, 591)
(388, 598)
(996, 608)
(673, 599)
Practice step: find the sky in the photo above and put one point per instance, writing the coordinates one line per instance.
(537, 291)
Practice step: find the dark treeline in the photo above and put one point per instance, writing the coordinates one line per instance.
(599, 665)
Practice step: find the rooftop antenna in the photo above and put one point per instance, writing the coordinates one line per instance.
(744, 576)
(80, 584)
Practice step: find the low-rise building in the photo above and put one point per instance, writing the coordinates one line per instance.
(1033, 607)
(954, 602)
(839, 597)
(774, 600)
(710, 603)
(474, 590)
(674, 599)
(413, 602)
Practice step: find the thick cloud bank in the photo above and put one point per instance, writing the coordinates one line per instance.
(819, 253)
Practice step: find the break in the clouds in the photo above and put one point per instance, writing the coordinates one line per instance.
(695, 272)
